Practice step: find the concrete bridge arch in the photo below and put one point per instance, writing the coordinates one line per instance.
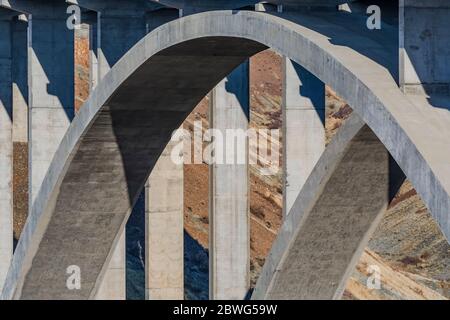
(116, 134)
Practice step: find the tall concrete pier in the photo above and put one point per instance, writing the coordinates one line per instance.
(164, 219)
(164, 275)
(20, 121)
(229, 238)
(119, 28)
(51, 80)
(20, 79)
(303, 128)
(424, 46)
(6, 210)
(113, 286)
(13, 120)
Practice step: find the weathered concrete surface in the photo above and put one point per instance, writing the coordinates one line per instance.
(129, 118)
(118, 28)
(330, 224)
(164, 219)
(117, 31)
(303, 128)
(51, 85)
(6, 151)
(424, 46)
(150, 130)
(229, 228)
(13, 120)
(113, 285)
(164, 255)
(20, 122)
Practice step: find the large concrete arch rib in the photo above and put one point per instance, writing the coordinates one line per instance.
(330, 224)
(102, 148)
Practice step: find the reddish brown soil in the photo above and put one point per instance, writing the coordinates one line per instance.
(20, 187)
(82, 78)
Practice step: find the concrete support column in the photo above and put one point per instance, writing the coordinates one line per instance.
(229, 244)
(6, 149)
(424, 46)
(164, 219)
(19, 79)
(51, 83)
(164, 275)
(13, 121)
(113, 286)
(20, 121)
(303, 128)
(92, 21)
(118, 30)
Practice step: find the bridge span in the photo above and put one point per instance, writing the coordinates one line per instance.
(114, 142)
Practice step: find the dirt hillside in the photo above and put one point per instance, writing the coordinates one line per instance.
(411, 253)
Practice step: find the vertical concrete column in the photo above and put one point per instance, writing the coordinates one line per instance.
(303, 128)
(92, 20)
(229, 244)
(118, 30)
(164, 219)
(113, 286)
(6, 149)
(20, 121)
(19, 79)
(164, 276)
(424, 46)
(51, 85)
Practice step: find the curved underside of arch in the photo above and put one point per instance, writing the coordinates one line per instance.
(113, 143)
(332, 219)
